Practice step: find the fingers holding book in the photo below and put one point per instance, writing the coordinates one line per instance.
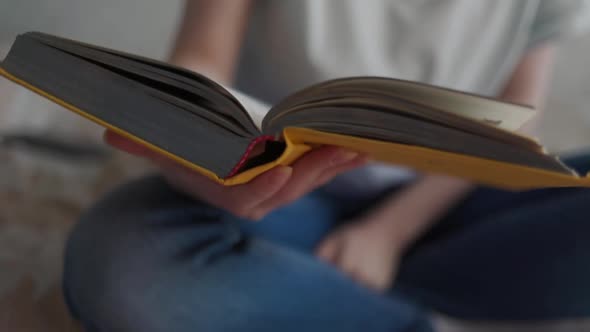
(267, 192)
(314, 169)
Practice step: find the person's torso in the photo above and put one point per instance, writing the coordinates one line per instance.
(461, 44)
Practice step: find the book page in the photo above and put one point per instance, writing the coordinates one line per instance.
(507, 116)
(257, 109)
(496, 113)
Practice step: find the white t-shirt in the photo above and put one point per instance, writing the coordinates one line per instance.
(461, 44)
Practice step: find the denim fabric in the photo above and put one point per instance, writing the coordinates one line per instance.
(147, 258)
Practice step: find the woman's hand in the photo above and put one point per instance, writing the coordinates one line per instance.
(265, 193)
(363, 250)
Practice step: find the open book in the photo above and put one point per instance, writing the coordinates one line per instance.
(231, 139)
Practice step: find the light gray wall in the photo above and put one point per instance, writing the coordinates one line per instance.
(139, 26)
(566, 126)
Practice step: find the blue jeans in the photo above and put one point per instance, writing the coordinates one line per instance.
(148, 258)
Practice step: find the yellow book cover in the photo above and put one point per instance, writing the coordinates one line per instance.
(198, 123)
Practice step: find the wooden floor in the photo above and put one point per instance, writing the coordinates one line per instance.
(41, 196)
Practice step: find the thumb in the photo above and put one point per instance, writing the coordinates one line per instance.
(328, 250)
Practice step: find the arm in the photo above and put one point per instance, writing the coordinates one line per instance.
(210, 37)
(389, 229)
(530, 81)
(433, 195)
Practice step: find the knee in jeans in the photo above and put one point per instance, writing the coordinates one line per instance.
(116, 253)
(102, 256)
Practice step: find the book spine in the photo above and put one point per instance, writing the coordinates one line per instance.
(251, 146)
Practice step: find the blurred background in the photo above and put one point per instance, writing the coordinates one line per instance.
(44, 185)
